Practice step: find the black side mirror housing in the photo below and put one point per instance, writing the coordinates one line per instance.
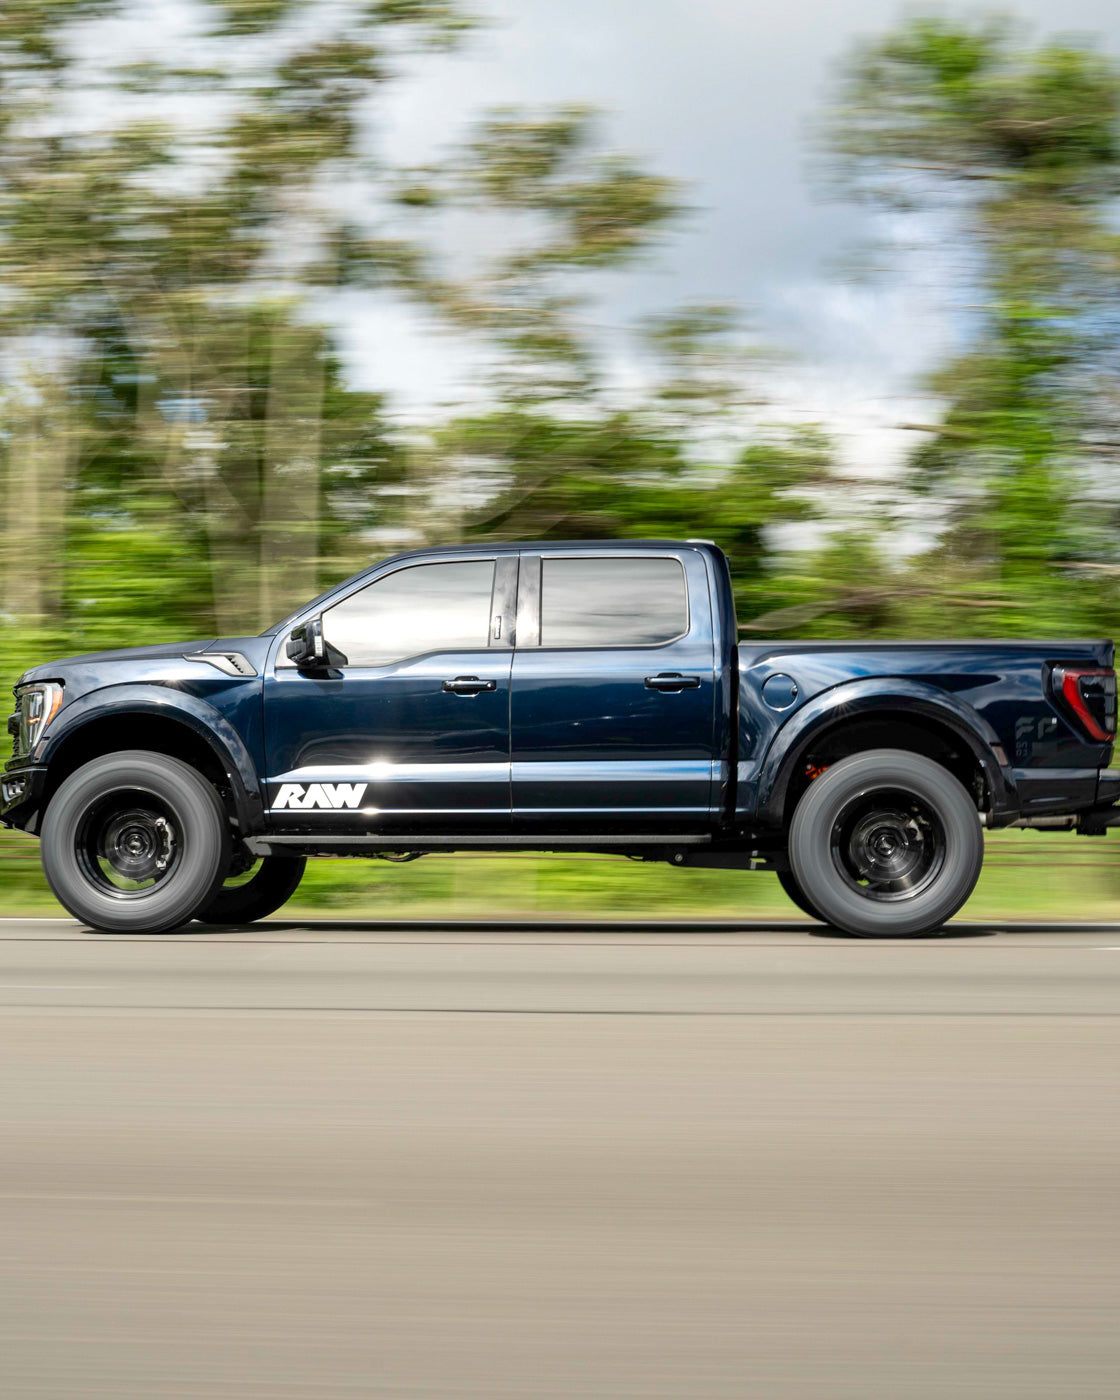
(306, 646)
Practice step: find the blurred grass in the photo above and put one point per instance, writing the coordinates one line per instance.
(1027, 875)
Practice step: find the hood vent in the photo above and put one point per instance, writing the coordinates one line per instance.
(233, 663)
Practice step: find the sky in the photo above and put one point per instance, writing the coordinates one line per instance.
(720, 94)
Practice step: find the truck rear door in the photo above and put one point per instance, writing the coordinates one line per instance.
(612, 716)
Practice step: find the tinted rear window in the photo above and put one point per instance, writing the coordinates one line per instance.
(612, 602)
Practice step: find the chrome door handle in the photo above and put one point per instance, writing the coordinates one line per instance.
(469, 685)
(673, 680)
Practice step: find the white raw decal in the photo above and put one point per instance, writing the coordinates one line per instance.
(324, 796)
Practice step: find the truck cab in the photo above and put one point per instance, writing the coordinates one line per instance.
(546, 689)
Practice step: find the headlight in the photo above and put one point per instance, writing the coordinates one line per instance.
(38, 705)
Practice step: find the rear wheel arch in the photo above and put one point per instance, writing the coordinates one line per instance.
(941, 738)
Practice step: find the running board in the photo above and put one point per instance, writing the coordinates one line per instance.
(1099, 822)
(333, 845)
(1092, 823)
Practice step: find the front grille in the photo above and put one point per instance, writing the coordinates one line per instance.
(15, 728)
(19, 725)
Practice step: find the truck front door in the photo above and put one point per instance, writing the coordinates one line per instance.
(410, 730)
(613, 700)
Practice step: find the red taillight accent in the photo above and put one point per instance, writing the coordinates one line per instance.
(1071, 694)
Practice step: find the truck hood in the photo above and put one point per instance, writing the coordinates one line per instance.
(55, 670)
(119, 663)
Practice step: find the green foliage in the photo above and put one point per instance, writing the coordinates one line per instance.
(1021, 143)
(603, 208)
(438, 24)
(186, 454)
(186, 431)
(253, 16)
(31, 30)
(970, 102)
(186, 423)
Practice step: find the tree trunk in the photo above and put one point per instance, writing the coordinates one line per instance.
(290, 511)
(42, 445)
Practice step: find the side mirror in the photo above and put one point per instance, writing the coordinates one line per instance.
(306, 646)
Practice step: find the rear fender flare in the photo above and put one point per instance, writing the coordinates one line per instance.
(862, 699)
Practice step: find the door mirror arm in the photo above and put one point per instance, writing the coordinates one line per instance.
(310, 650)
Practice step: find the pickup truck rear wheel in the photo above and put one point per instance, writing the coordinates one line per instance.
(886, 843)
(135, 842)
(261, 891)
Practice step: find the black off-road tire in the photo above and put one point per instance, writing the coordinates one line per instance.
(795, 893)
(272, 884)
(880, 812)
(170, 806)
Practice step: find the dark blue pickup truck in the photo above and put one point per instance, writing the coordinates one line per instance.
(558, 696)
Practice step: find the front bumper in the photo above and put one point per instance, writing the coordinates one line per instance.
(21, 796)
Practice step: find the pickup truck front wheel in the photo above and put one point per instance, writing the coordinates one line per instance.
(135, 842)
(886, 843)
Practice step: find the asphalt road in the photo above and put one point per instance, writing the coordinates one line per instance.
(342, 1161)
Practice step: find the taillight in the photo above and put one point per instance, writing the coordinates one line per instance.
(1091, 698)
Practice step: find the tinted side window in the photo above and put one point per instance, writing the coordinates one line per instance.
(612, 602)
(428, 607)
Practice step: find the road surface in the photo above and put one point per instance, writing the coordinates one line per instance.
(355, 1160)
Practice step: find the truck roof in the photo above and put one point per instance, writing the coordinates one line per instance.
(488, 546)
(497, 546)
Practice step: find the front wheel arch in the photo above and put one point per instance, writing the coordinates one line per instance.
(170, 735)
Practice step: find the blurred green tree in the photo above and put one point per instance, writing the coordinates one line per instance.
(165, 375)
(170, 374)
(1017, 149)
(178, 442)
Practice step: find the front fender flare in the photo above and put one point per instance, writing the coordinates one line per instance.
(863, 698)
(159, 701)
